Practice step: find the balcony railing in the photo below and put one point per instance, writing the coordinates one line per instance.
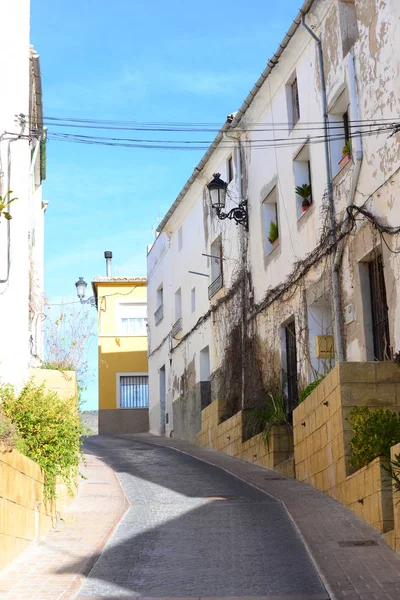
(215, 286)
(159, 314)
(177, 327)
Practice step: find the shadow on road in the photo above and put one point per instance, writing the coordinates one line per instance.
(194, 530)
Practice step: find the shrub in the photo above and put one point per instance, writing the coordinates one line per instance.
(263, 419)
(8, 432)
(375, 431)
(50, 432)
(393, 468)
(310, 388)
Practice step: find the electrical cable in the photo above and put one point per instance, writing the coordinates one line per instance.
(255, 144)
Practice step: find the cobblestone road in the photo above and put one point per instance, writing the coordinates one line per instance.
(194, 530)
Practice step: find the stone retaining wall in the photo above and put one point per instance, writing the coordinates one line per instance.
(227, 437)
(322, 433)
(24, 515)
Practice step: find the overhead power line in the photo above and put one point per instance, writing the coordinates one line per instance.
(169, 144)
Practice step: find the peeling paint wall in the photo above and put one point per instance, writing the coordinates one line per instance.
(367, 29)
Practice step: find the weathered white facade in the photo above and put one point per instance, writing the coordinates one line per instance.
(21, 238)
(276, 294)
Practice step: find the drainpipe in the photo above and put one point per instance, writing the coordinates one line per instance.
(358, 154)
(332, 218)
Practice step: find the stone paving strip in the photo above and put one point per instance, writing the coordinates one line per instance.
(43, 571)
(370, 572)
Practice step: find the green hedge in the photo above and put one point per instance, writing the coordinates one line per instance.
(375, 432)
(50, 432)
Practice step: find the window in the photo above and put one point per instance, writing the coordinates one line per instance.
(132, 319)
(292, 101)
(295, 103)
(216, 267)
(271, 222)
(180, 240)
(133, 390)
(302, 178)
(177, 326)
(291, 366)
(339, 131)
(159, 314)
(178, 304)
(379, 310)
(348, 24)
(230, 169)
(193, 299)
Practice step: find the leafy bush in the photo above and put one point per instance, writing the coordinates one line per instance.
(375, 431)
(310, 388)
(263, 419)
(393, 468)
(50, 432)
(8, 432)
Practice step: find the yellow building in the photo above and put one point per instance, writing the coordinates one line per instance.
(122, 338)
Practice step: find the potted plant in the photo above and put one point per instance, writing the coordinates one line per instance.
(304, 191)
(273, 236)
(346, 154)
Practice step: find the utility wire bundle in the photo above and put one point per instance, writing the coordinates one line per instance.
(262, 135)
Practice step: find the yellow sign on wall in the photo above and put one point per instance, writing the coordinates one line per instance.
(324, 346)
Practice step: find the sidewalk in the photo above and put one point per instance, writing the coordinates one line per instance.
(37, 574)
(370, 572)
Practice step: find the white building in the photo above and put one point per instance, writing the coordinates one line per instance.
(22, 168)
(332, 274)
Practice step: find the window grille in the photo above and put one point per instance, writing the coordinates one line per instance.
(134, 391)
(291, 367)
(295, 102)
(379, 310)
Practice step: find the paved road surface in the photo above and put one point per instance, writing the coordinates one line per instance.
(194, 530)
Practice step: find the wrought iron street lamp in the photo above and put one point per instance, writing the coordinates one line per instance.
(81, 286)
(217, 191)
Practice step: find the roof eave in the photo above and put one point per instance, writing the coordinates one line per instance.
(239, 114)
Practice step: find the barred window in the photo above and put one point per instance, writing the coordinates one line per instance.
(295, 102)
(134, 391)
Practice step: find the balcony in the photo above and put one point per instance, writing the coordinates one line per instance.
(159, 314)
(177, 327)
(216, 285)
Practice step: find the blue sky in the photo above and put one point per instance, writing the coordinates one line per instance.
(145, 61)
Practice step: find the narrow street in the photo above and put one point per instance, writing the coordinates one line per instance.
(194, 530)
(161, 518)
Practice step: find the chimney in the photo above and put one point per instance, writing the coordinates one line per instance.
(108, 257)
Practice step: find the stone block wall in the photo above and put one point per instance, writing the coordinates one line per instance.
(395, 542)
(61, 382)
(322, 433)
(24, 516)
(227, 436)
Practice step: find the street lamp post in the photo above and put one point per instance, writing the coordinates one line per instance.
(81, 286)
(217, 191)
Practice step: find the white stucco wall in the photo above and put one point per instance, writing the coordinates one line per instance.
(376, 62)
(26, 227)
